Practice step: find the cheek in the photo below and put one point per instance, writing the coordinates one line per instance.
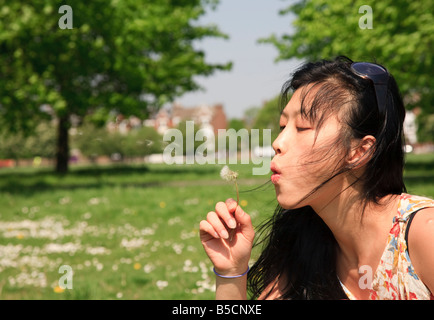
(322, 164)
(324, 158)
(307, 170)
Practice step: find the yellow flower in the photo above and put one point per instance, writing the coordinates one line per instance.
(243, 203)
(58, 289)
(137, 266)
(162, 204)
(20, 236)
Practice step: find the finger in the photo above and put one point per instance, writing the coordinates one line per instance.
(206, 229)
(223, 212)
(231, 204)
(214, 220)
(245, 223)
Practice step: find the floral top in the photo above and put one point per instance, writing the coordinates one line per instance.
(395, 277)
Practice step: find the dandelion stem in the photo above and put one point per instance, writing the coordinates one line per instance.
(231, 233)
(238, 196)
(229, 175)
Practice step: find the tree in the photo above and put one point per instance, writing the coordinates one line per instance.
(92, 57)
(396, 33)
(268, 117)
(236, 124)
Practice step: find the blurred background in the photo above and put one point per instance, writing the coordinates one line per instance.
(89, 88)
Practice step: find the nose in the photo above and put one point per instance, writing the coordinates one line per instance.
(277, 145)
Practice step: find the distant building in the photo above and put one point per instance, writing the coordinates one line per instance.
(204, 116)
(124, 124)
(160, 122)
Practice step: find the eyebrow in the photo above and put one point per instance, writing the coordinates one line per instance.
(294, 113)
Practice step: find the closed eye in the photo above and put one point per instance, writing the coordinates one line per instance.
(299, 129)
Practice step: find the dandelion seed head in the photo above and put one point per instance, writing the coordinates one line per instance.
(227, 174)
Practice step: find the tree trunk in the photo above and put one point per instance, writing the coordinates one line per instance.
(62, 151)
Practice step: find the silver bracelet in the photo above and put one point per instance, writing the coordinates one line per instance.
(231, 277)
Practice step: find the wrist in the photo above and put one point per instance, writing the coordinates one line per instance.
(231, 274)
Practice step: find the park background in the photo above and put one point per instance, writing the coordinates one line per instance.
(78, 182)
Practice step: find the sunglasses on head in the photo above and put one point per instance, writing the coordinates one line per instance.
(379, 76)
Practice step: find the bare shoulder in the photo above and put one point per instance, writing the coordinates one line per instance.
(423, 225)
(421, 245)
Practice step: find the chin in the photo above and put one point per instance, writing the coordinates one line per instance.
(288, 202)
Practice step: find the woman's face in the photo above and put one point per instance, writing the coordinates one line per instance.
(305, 157)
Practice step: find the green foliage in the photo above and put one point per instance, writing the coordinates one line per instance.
(426, 128)
(267, 117)
(401, 38)
(120, 54)
(16, 145)
(128, 56)
(236, 124)
(250, 115)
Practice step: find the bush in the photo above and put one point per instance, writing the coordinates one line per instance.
(40, 143)
(93, 141)
(426, 128)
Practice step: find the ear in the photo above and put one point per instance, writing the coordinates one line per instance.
(361, 151)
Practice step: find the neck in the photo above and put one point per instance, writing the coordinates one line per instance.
(360, 231)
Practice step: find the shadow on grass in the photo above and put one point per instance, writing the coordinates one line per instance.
(29, 182)
(420, 170)
(84, 171)
(419, 166)
(17, 188)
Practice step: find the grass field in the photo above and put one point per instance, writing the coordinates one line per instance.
(126, 232)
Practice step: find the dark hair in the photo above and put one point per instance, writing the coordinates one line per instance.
(299, 248)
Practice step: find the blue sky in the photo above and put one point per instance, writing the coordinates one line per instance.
(254, 77)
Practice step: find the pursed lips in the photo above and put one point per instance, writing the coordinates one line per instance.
(275, 176)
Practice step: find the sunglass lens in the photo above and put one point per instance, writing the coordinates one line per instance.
(368, 68)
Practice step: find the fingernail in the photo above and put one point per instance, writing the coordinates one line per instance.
(216, 235)
(224, 234)
(232, 224)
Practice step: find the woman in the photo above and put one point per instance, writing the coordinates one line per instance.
(341, 227)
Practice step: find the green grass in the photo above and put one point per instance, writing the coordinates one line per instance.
(419, 174)
(128, 232)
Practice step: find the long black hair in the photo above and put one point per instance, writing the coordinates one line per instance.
(299, 250)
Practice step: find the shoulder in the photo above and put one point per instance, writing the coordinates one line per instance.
(421, 244)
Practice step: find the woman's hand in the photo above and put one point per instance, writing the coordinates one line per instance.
(227, 237)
